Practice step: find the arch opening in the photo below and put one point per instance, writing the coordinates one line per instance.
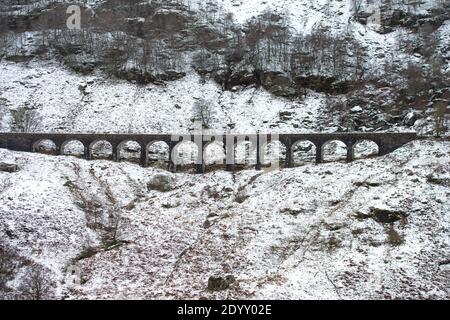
(158, 154)
(185, 155)
(73, 148)
(214, 155)
(365, 149)
(334, 150)
(101, 150)
(129, 151)
(45, 146)
(245, 154)
(303, 152)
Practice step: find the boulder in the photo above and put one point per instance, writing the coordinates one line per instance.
(171, 75)
(81, 63)
(411, 118)
(162, 182)
(387, 215)
(356, 109)
(363, 17)
(8, 167)
(286, 115)
(220, 283)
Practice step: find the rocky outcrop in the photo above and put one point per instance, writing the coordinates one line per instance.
(145, 77)
(402, 19)
(324, 84)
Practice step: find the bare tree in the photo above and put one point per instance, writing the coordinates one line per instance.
(36, 284)
(356, 4)
(203, 112)
(2, 112)
(7, 267)
(25, 120)
(440, 126)
(414, 78)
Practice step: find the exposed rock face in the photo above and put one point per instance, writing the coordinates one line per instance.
(167, 18)
(81, 64)
(321, 83)
(398, 18)
(241, 75)
(278, 83)
(140, 77)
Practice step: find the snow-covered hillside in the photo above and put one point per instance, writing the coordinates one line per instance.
(67, 101)
(380, 228)
(377, 228)
(71, 103)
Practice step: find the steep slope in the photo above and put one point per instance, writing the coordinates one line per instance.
(380, 228)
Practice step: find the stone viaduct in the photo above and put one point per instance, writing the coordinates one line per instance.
(28, 142)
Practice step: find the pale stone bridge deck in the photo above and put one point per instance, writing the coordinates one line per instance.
(28, 142)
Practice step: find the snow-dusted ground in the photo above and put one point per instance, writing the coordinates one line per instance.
(298, 233)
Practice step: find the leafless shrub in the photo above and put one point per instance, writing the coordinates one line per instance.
(113, 228)
(10, 263)
(393, 237)
(415, 79)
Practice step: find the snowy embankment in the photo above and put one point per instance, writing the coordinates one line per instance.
(376, 228)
